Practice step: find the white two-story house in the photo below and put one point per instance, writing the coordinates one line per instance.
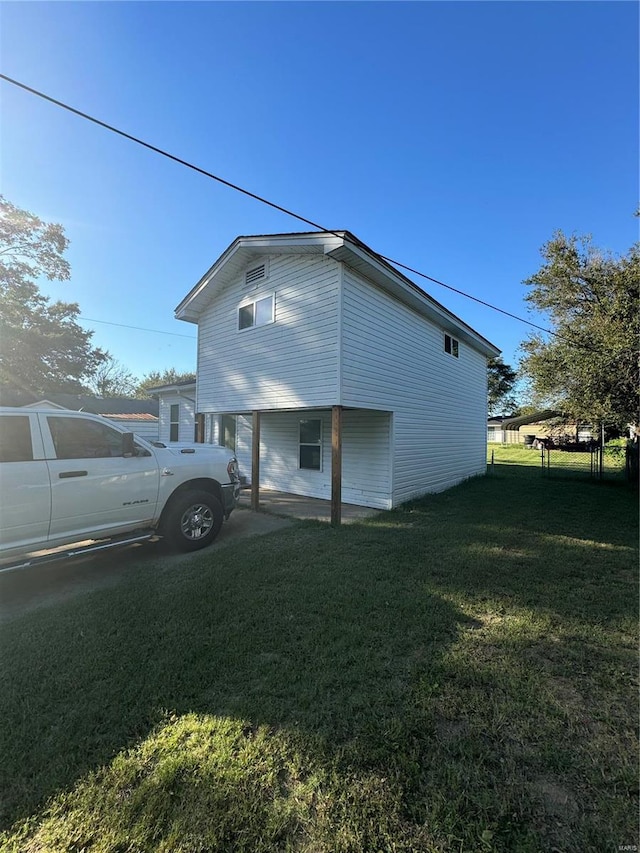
(359, 386)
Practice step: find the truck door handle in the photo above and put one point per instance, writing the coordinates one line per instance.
(64, 475)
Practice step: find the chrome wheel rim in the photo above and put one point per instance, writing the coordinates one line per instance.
(196, 521)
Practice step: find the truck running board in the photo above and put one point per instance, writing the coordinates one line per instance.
(63, 554)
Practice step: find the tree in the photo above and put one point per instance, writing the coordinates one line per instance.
(42, 347)
(589, 366)
(170, 376)
(501, 380)
(112, 379)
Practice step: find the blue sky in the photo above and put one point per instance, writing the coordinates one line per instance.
(452, 136)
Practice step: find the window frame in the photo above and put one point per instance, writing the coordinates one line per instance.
(222, 432)
(314, 444)
(253, 301)
(451, 345)
(174, 423)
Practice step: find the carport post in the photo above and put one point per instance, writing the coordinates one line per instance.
(336, 465)
(255, 462)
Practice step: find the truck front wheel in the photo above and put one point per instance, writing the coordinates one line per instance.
(193, 521)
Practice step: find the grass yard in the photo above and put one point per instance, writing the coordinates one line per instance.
(457, 675)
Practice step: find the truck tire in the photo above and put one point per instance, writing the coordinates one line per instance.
(193, 520)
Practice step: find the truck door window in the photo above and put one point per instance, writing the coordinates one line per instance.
(76, 438)
(15, 439)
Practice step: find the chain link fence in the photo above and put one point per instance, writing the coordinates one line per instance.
(589, 460)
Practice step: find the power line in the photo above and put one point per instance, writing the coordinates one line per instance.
(261, 199)
(137, 328)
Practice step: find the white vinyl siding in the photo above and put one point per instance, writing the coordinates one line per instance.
(394, 359)
(244, 431)
(292, 362)
(414, 416)
(145, 429)
(365, 457)
(187, 417)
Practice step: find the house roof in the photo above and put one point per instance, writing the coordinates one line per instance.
(109, 406)
(342, 246)
(184, 385)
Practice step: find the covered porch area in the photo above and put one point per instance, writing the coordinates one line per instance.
(330, 456)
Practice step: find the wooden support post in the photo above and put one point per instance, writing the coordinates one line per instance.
(255, 462)
(336, 465)
(200, 429)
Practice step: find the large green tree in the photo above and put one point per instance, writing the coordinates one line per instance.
(155, 378)
(588, 367)
(42, 347)
(501, 379)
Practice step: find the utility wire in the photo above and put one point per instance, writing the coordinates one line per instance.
(261, 199)
(137, 328)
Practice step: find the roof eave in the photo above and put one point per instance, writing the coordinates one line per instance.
(344, 247)
(174, 387)
(367, 263)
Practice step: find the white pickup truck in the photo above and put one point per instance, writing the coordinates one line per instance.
(68, 477)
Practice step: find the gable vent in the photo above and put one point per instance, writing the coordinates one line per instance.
(255, 274)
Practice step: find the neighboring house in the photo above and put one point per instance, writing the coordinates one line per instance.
(352, 376)
(177, 411)
(495, 432)
(138, 416)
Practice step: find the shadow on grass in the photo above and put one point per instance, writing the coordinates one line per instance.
(290, 636)
(427, 659)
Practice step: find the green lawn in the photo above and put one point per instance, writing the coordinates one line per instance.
(457, 675)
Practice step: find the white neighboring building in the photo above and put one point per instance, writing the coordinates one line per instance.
(495, 432)
(177, 415)
(355, 376)
(177, 411)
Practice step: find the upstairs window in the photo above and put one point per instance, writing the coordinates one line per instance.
(451, 346)
(258, 312)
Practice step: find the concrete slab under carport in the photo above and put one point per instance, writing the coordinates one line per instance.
(304, 508)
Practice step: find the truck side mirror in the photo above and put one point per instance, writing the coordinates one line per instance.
(128, 446)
